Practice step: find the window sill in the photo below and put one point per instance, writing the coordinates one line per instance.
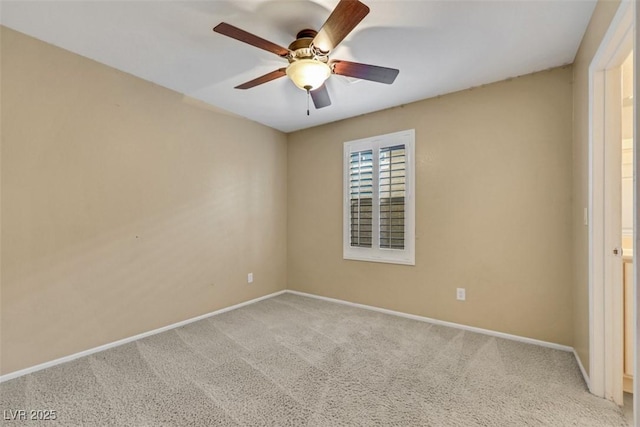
(379, 260)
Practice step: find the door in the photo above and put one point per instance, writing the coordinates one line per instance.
(613, 267)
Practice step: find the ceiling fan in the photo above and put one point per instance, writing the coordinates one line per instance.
(308, 55)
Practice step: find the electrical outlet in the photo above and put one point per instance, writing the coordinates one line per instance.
(461, 294)
(250, 278)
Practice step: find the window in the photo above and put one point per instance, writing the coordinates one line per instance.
(379, 199)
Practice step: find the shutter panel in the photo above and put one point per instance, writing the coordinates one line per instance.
(361, 198)
(392, 196)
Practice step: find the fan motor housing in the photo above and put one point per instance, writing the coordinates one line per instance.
(301, 47)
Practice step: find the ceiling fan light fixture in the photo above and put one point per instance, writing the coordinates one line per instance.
(308, 74)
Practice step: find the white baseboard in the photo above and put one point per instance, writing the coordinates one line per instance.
(584, 372)
(71, 357)
(441, 322)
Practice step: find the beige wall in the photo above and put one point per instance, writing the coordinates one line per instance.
(124, 208)
(493, 209)
(602, 16)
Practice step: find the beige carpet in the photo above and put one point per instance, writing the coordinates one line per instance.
(296, 361)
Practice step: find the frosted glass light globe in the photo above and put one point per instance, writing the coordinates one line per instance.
(308, 73)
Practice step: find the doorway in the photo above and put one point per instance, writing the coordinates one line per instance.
(612, 211)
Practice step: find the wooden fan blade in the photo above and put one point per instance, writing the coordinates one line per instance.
(238, 34)
(320, 97)
(263, 79)
(364, 71)
(343, 19)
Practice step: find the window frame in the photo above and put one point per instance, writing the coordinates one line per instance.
(404, 256)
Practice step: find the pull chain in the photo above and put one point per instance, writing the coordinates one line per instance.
(308, 88)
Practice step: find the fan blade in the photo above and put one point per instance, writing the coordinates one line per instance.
(343, 19)
(238, 34)
(263, 79)
(364, 71)
(320, 97)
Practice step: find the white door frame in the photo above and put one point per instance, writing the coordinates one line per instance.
(636, 222)
(605, 301)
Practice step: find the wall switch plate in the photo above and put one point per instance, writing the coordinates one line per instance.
(585, 216)
(250, 278)
(461, 294)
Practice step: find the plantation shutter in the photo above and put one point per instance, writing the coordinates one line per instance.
(379, 199)
(361, 198)
(392, 181)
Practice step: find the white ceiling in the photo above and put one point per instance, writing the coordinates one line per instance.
(439, 47)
